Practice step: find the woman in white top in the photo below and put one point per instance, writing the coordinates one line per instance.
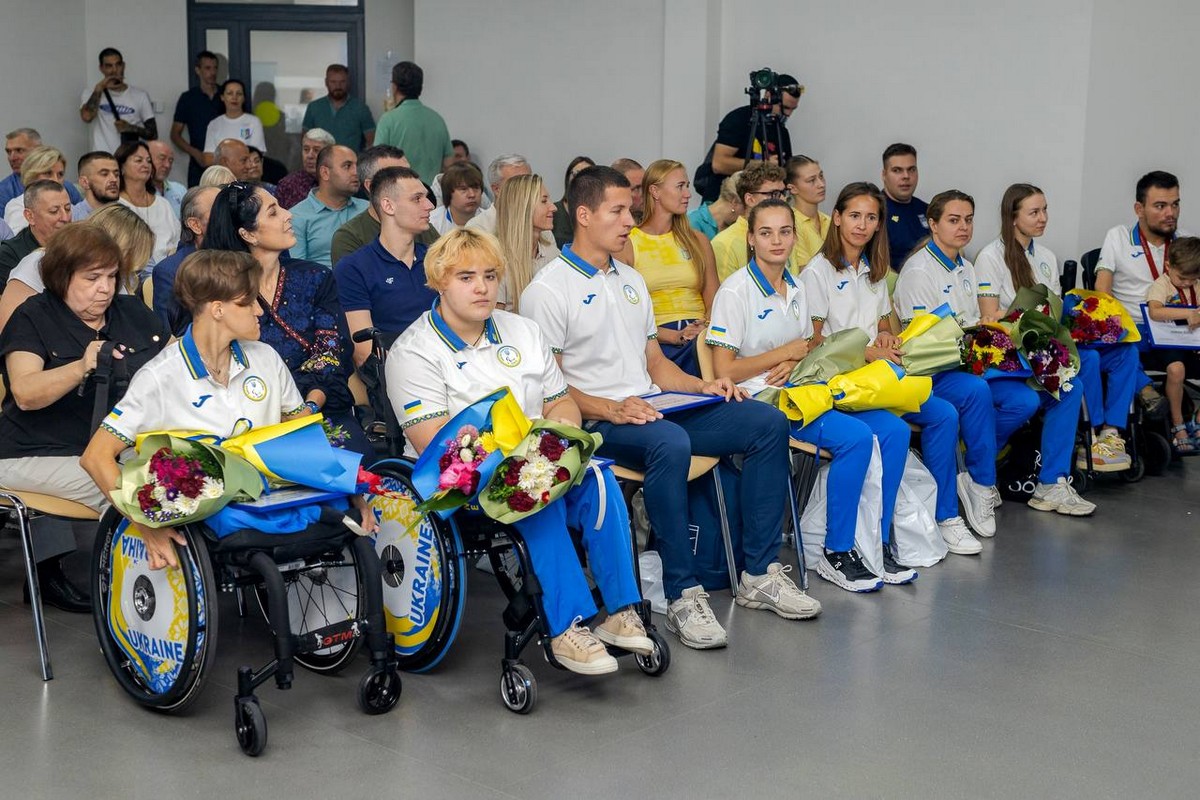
(760, 330)
(462, 188)
(1015, 261)
(137, 193)
(235, 123)
(846, 286)
(524, 225)
(41, 164)
(937, 273)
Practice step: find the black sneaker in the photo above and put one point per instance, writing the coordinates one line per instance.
(893, 572)
(847, 570)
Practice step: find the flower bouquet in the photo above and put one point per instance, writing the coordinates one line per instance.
(463, 456)
(990, 352)
(549, 461)
(1095, 318)
(932, 343)
(806, 395)
(1035, 298)
(1050, 351)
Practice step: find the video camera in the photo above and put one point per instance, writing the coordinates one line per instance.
(766, 87)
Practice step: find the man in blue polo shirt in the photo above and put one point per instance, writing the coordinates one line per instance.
(317, 217)
(17, 145)
(345, 116)
(906, 224)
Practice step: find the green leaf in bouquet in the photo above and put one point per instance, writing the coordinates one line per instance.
(1030, 298)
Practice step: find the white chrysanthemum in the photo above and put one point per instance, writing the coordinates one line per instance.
(160, 493)
(187, 505)
(212, 489)
(466, 455)
(537, 475)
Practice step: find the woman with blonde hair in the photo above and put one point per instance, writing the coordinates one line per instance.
(676, 262)
(524, 225)
(133, 237)
(217, 176)
(43, 163)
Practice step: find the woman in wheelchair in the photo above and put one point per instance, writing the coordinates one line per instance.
(846, 287)
(51, 349)
(218, 378)
(462, 349)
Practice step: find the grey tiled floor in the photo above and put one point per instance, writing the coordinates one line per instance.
(1060, 663)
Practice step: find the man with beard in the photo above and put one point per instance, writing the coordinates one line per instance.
(1133, 255)
(100, 179)
(329, 206)
(346, 117)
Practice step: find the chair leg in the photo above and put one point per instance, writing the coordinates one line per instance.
(794, 510)
(725, 534)
(35, 591)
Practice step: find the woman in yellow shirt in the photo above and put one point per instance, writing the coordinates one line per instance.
(676, 262)
(806, 186)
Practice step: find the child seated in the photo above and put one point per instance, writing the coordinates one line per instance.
(1172, 296)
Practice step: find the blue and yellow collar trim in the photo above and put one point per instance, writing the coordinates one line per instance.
(760, 280)
(452, 339)
(1135, 235)
(579, 265)
(942, 258)
(193, 361)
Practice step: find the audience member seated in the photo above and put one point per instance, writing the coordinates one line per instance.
(301, 317)
(634, 173)
(414, 127)
(42, 164)
(845, 286)
(329, 206)
(217, 176)
(362, 230)
(17, 145)
(137, 193)
(760, 181)
(596, 315)
(1172, 296)
(50, 349)
(196, 206)
(676, 263)
(1015, 261)
(712, 218)
(462, 186)
(133, 238)
(234, 155)
(100, 180)
(937, 274)
(296, 186)
(163, 157)
(806, 186)
(236, 123)
(340, 113)
(254, 169)
(523, 225)
(906, 222)
(47, 208)
(564, 226)
(194, 109)
(462, 155)
(500, 170)
(425, 368)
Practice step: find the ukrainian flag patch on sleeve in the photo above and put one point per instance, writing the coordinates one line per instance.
(717, 331)
(412, 408)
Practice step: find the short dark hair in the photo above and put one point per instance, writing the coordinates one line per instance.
(124, 153)
(206, 54)
(898, 149)
(1155, 180)
(73, 247)
(589, 186)
(409, 79)
(1184, 257)
(460, 143)
(457, 176)
(238, 81)
(95, 155)
(255, 150)
(216, 275)
(337, 68)
(789, 84)
(369, 159)
(234, 208)
(110, 51)
(325, 157)
(387, 178)
(938, 203)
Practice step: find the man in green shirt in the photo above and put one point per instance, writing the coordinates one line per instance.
(346, 117)
(414, 127)
(364, 228)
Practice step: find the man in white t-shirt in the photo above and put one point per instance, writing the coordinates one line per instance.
(113, 108)
(1133, 255)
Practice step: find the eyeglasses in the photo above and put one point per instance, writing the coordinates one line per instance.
(774, 194)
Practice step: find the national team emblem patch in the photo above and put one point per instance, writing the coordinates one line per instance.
(255, 388)
(924, 222)
(509, 356)
(631, 294)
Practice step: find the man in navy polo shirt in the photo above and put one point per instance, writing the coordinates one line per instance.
(906, 225)
(195, 108)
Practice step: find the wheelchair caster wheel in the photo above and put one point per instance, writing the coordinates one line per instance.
(379, 691)
(1136, 471)
(250, 725)
(518, 689)
(659, 661)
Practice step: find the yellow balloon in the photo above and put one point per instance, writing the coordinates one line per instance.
(268, 113)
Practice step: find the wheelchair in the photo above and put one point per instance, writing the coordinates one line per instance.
(319, 590)
(424, 561)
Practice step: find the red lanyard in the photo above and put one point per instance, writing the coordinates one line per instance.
(1188, 295)
(1150, 255)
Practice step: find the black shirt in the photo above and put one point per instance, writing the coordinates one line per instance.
(195, 110)
(14, 249)
(45, 326)
(734, 131)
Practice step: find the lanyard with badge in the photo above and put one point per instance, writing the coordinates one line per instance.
(1150, 256)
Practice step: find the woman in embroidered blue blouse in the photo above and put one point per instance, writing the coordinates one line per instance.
(301, 319)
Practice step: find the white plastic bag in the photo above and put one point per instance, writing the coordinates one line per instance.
(650, 566)
(867, 538)
(918, 541)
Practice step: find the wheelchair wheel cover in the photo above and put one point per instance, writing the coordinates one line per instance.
(423, 599)
(156, 627)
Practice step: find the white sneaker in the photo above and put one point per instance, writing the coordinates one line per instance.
(979, 504)
(692, 620)
(1062, 498)
(778, 592)
(958, 537)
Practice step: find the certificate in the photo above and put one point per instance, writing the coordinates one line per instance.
(1169, 335)
(667, 402)
(287, 498)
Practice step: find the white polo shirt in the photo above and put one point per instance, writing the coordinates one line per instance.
(432, 372)
(174, 391)
(599, 321)
(993, 279)
(929, 278)
(749, 317)
(1124, 255)
(846, 298)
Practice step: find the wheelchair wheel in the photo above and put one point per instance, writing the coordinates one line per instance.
(379, 691)
(518, 688)
(321, 591)
(1158, 453)
(249, 725)
(424, 583)
(157, 628)
(659, 661)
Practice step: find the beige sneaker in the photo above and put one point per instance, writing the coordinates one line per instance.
(578, 649)
(778, 592)
(626, 631)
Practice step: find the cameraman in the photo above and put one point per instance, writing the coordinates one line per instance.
(729, 153)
